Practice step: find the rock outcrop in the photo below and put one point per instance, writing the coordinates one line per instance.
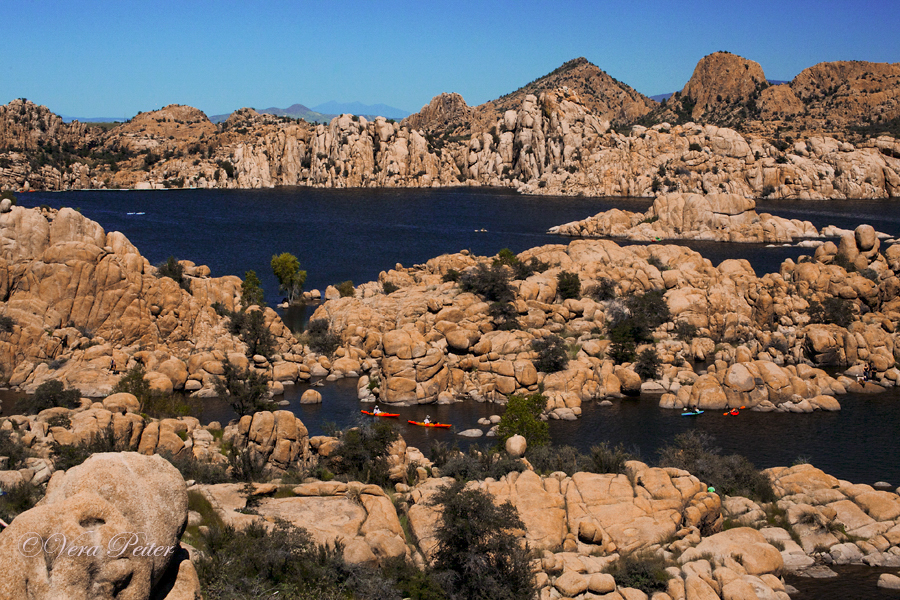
(85, 306)
(108, 528)
(716, 217)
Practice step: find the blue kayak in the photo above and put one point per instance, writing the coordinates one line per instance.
(692, 414)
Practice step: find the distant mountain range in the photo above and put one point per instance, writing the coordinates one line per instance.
(323, 113)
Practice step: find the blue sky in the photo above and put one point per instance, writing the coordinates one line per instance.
(114, 58)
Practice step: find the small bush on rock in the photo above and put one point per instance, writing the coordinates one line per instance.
(647, 364)
(389, 287)
(17, 500)
(65, 457)
(175, 271)
(504, 316)
(831, 310)
(477, 557)
(50, 394)
(491, 283)
(363, 453)
(568, 285)
(645, 572)
(251, 291)
(605, 289)
(245, 390)
(552, 356)
(733, 475)
(320, 339)
(13, 449)
(7, 324)
(345, 289)
(523, 417)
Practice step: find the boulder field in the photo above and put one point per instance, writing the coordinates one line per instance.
(765, 338)
(713, 546)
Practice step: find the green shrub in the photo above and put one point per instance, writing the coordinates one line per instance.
(655, 261)
(17, 500)
(491, 283)
(685, 331)
(49, 394)
(477, 557)
(345, 289)
(175, 271)
(450, 275)
(389, 287)
(605, 289)
(67, 456)
(568, 285)
(552, 356)
(7, 324)
(59, 421)
(831, 310)
(7, 194)
(601, 459)
(645, 572)
(695, 147)
(247, 465)
(521, 269)
(201, 471)
(14, 450)
(475, 465)
(320, 339)
(245, 390)
(647, 365)
(733, 475)
(504, 315)
(251, 291)
(362, 454)
(523, 417)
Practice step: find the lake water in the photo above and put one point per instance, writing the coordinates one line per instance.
(355, 234)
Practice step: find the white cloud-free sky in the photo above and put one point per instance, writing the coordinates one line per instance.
(114, 58)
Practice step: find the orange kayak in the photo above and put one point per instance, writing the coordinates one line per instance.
(420, 424)
(381, 414)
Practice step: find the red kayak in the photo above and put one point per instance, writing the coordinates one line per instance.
(379, 414)
(420, 424)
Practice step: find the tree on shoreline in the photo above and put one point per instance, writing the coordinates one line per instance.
(286, 268)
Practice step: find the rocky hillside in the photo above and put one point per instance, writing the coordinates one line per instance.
(784, 141)
(75, 300)
(847, 99)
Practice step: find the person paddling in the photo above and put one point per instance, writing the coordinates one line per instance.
(376, 410)
(427, 419)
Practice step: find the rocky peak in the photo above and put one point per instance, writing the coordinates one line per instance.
(25, 125)
(721, 82)
(602, 94)
(443, 112)
(850, 92)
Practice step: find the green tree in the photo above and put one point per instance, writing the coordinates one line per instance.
(477, 557)
(133, 382)
(251, 290)
(568, 285)
(246, 391)
(256, 335)
(286, 268)
(523, 417)
(551, 354)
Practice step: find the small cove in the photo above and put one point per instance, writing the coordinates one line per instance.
(355, 234)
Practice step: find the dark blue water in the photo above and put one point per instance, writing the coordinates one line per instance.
(355, 234)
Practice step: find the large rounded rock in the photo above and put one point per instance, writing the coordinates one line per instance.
(311, 397)
(516, 446)
(126, 510)
(745, 545)
(865, 237)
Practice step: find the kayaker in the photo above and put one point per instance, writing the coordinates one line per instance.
(427, 420)
(376, 410)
